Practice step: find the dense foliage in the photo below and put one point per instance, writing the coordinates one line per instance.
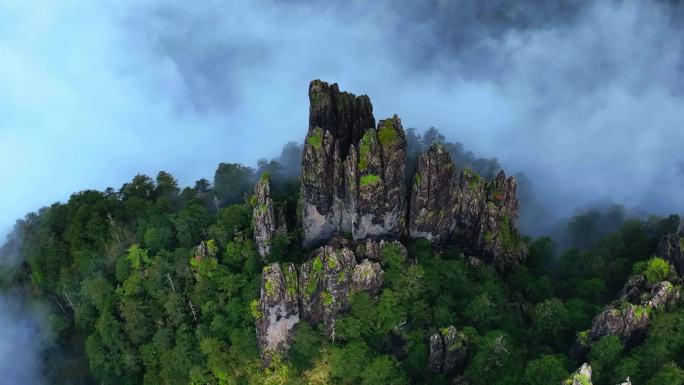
(134, 302)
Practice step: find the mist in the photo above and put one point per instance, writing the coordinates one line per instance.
(583, 96)
(21, 341)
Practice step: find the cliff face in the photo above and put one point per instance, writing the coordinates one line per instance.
(352, 172)
(469, 211)
(671, 248)
(278, 310)
(336, 121)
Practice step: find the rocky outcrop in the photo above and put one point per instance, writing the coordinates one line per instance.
(265, 222)
(475, 214)
(372, 248)
(448, 351)
(327, 280)
(352, 172)
(353, 182)
(278, 310)
(316, 292)
(671, 248)
(581, 377)
(632, 312)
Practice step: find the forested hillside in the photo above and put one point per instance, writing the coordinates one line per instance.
(154, 284)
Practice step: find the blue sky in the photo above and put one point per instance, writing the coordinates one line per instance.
(587, 100)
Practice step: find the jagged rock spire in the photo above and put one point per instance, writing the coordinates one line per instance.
(266, 221)
(469, 211)
(352, 173)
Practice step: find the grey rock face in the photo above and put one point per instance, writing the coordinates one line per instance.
(352, 172)
(477, 215)
(448, 351)
(278, 310)
(434, 191)
(353, 182)
(671, 248)
(372, 248)
(263, 217)
(436, 358)
(317, 292)
(633, 311)
(327, 280)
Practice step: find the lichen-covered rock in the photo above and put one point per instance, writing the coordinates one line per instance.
(662, 294)
(278, 310)
(377, 181)
(327, 280)
(264, 218)
(633, 289)
(367, 276)
(433, 206)
(317, 292)
(448, 351)
(581, 377)
(633, 311)
(336, 121)
(372, 248)
(671, 248)
(477, 215)
(436, 357)
(352, 173)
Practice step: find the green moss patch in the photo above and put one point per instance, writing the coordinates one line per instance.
(315, 138)
(387, 135)
(369, 179)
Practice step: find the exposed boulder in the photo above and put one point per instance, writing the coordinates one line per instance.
(278, 310)
(633, 311)
(448, 351)
(477, 215)
(327, 280)
(581, 377)
(352, 173)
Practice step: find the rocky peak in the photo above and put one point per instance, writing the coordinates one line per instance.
(345, 115)
(352, 172)
(469, 211)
